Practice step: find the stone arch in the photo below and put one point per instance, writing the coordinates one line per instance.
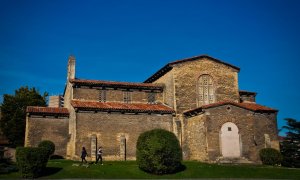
(230, 140)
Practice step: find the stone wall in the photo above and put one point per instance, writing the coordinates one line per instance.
(49, 128)
(168, 94)
(68, 95)
(113, 95)
(265, 124)
(247, 98)
(251, 126)
(195, 145)
(86, 94)
(72, 133)
(109, 128)
(225, 82)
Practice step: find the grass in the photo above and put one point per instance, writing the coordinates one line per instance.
(63, 169)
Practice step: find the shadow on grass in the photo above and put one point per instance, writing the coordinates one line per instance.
(56, 157)
(50, 170)
(181, 168)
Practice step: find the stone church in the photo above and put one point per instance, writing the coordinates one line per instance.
(197, 98)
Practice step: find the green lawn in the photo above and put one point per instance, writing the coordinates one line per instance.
(64, 169)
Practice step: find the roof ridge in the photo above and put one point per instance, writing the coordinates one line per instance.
(168, 66)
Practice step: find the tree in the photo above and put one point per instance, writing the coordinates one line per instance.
(290, 147)
(13, 111)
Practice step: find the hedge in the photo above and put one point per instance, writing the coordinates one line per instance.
(49, 145)
(270, 156)
(158, 152)
(31, 161)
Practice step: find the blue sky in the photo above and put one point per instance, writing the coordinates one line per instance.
(130, 40)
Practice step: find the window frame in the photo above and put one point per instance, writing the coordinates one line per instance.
(127, 97)
(205, 90)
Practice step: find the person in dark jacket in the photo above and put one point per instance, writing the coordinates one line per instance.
(83, 155)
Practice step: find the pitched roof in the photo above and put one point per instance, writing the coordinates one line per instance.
(115, 84)
(249, 106)
(47, 111)
(121, 107)
(169, 66)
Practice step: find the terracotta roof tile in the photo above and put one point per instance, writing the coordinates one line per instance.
(117, 84)
(169, 66)
(47, 110)
(249, 106)
(116, 106)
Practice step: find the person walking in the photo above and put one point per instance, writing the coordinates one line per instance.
(99, 155)
(83, 155)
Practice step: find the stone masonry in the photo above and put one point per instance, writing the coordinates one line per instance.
(197, 98)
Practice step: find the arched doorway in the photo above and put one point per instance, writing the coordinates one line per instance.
(230, 140)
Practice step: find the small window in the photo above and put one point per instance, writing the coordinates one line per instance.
(102, 95)
(151, 97)
(127, 96)
(228, 108)
(229, 128)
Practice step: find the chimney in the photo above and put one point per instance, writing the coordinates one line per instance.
(71, 68)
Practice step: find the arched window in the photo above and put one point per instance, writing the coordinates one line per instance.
(205, 90)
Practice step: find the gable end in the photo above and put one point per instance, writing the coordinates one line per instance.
(170, 65)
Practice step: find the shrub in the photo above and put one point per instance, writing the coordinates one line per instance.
(31, 161)
(270, 156)
(158, 152)
(7, 166)
(49, 145)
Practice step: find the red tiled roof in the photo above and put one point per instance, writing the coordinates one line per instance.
(122, 107)
(117, 84)
(249, 106)
(47, 110)
(169, 66)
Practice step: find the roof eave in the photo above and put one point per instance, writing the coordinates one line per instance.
(124, 110)
(48, 114)
(159, 73)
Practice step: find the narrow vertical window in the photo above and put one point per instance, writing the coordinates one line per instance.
(102, 95)
(123, 147)
(93, 146)
(205, 90)
(151, 97)
(127, 96)
(267, 141)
